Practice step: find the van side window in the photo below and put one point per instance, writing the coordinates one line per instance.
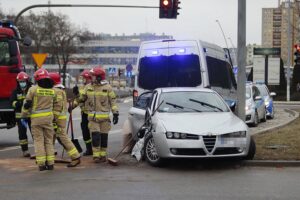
(144, 101)
(218, 72)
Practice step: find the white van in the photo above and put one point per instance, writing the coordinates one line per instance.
(184, 63)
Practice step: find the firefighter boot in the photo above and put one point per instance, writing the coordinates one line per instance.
(89, 150)
(42, 167)
(74, 163)
(50, 167)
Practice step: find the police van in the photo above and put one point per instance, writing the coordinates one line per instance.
(184, 63)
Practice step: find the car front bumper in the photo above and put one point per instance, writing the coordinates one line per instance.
(204, 147)
(249, 115)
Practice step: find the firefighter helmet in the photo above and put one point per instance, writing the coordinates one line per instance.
(22, 76)
(55, 77)
(98, 71)
(41, 74)
(86, 74)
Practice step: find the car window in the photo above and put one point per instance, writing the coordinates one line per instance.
(248, 92)
(255, 92)
(263, 90)
(143, 100)
(4, 53)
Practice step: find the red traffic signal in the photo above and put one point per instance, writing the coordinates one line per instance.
(168, 9)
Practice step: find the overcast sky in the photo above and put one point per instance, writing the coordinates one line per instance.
(197, 18)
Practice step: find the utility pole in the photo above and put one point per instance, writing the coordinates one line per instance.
(234, 50)
(241, 56)
(288, 78)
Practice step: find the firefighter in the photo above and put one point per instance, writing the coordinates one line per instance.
(100, 100)
(17, 98)
(39, 104)
(85, 79)
(60, 118)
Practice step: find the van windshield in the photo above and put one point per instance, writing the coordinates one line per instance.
(169, 71)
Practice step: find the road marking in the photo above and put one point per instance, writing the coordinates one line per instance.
(114, 132)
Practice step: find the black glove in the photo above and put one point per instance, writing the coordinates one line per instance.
(18, 105)
(28, 105)
(76, 90)
(115, 118)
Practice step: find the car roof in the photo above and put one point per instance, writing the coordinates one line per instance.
(184, 89)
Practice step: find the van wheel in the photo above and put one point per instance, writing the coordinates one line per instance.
(150, 153)
(252, 150)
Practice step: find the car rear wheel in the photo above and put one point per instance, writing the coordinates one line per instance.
(252, 150)
(151, 154)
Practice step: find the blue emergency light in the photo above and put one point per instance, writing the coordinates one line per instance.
(181, 50)
(154, 52)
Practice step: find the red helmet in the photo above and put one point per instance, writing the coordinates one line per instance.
(86, 74)
(22, 76)
(98, 71)
(55, 77)
(41, 74)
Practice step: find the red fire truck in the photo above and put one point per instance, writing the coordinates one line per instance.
(10, 66)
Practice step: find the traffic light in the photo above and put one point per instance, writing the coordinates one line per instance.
(168, 9)
(297, 54)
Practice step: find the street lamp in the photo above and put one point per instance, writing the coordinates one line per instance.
(218, 22)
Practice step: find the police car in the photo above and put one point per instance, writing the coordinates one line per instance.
(267, 97)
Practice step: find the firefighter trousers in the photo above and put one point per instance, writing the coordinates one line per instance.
(99, 131)
(22, 131)
(43, 143)
(85, 129)
(64, 140)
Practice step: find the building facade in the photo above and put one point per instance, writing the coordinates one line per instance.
(275, 27)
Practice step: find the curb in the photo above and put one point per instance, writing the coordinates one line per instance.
(271, 163)
(291, 112)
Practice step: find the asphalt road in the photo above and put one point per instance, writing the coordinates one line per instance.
(181, 179)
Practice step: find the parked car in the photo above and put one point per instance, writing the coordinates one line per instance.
(255, 105)
(189, 123)
(268, 98)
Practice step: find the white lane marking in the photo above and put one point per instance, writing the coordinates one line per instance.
(114, 132)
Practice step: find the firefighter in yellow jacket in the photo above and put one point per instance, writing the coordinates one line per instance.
(101, 100)
(60, 118)
(85, 79)
(39, 103)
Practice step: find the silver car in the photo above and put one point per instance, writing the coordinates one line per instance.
(255, 106)
(190, 123)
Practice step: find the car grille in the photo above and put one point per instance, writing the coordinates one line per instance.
(226, 150)
(186, 151)
(209, 142)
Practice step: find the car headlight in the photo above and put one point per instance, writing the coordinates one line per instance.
(183, 136)
(267, 103)
(236, 134)
(248, 107)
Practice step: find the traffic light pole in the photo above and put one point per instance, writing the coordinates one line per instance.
(288, 78)
(74, 6)
(241, 56)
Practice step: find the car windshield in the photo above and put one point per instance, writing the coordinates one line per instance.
(263, 90)
(169, 71)
(248, 93)
(4, 53)
(191, 101)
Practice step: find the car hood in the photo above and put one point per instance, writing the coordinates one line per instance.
(202, 123)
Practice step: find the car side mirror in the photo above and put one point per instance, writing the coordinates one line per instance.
(232, 106)
(258, 98)
(272, 94)
(27, 41)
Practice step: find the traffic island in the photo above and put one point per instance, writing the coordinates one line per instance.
(279, 145)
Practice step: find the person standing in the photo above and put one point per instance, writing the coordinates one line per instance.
(39, 104)
(17, 98)
(60, 118)
(101, 100)
(85, 79)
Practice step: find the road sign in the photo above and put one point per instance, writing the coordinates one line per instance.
(39, 58)
(274, 71)
(266, 51)
(258, 69)
(112, 70)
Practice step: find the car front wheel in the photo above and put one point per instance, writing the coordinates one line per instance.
(151, 154)
(252, 150)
